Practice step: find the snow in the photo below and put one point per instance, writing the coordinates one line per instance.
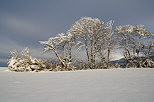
(108, 85)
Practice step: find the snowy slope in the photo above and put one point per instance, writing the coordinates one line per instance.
(111, 85)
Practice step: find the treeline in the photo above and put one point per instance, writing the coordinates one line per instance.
(98, 39)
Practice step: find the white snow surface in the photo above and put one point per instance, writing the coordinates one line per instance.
(108, 85)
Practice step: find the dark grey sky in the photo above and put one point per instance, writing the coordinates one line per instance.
(25, 22)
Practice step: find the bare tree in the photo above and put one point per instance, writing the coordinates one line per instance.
(90, 33)
(132, 38)
(60, 42)
(110, 40)
(141, 38)
(105, 44)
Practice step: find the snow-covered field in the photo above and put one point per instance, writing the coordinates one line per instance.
(111, 85)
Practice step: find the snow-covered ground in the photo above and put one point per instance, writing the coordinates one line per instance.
(111, 85)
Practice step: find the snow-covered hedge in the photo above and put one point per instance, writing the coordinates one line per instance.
(23, 62)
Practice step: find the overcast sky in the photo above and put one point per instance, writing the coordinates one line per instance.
(25, 22)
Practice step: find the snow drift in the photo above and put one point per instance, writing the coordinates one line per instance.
(110, 85)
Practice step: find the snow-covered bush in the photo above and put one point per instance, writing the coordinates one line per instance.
(140, 62)
(23, 62)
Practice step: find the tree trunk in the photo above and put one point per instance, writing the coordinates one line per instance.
(129, 56)
(108, 57)
(67, 53)
(61, 60)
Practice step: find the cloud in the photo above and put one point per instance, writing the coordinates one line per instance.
(19, 25)
(149, 24)
(8, 45)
